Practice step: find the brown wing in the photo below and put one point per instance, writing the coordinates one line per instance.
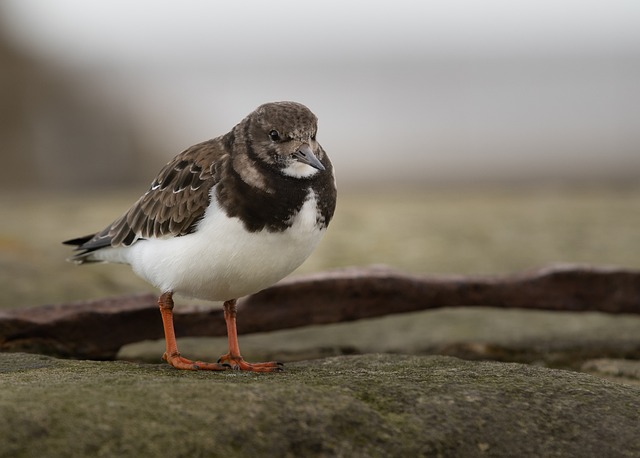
(175, 202)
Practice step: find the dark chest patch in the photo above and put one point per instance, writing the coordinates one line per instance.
(274, 211)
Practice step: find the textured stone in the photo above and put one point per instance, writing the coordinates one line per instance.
(374, 405)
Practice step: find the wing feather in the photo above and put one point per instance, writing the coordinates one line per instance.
(173, 205)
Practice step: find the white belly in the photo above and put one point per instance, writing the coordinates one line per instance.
(221, 260)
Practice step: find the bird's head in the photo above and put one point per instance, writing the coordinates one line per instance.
(284, 136)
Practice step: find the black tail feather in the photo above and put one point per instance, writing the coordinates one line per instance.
(78, 242)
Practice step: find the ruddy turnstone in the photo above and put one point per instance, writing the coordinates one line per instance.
(226, 218)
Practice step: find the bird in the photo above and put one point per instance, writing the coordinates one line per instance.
(226, 218)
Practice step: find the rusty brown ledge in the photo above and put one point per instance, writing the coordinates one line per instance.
(97, 329)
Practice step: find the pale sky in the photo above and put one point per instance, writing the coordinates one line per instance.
(91, 32)
(420, 88)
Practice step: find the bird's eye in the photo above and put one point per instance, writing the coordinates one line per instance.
(274, 135)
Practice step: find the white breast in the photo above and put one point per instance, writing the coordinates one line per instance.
(221, 260)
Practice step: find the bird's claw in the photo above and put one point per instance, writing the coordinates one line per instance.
(179, 362)
(239, 364)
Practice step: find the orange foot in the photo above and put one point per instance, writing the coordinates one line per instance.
(238, 363)
(179, 362)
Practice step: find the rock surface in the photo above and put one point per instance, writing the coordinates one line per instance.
(372, 405)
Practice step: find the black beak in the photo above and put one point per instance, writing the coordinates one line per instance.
(306, 156)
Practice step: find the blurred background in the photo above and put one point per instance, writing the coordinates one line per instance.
(468, 137)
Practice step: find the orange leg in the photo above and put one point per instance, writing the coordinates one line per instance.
(172, 355)
(233, 358)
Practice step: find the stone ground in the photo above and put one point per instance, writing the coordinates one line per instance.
(372, 405)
